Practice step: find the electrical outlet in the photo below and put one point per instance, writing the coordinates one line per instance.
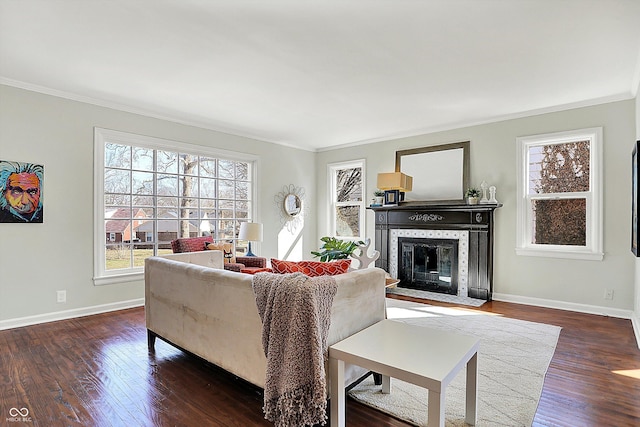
(62, 296)
(608, 294)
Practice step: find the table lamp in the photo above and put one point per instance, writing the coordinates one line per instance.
(394, 185)
(250, 231)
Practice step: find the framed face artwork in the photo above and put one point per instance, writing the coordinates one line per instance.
(21, 192)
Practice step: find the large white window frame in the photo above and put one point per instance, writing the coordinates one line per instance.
(332, 170)
(593, 249)
(102, 275)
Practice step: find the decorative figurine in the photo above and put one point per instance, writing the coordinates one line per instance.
(492, 195)
(484, 187)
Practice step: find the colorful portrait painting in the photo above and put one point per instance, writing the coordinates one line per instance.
(21, 197)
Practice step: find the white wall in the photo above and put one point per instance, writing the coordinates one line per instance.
(38, 259)
(574, 283)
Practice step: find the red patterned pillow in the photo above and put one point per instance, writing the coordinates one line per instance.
(311, 268)
(284, 267)
(332, 268)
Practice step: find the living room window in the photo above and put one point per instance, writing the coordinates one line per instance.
(347, 211)
(560, 195)
(149, 191)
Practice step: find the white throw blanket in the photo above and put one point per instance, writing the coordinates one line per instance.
(296, 313)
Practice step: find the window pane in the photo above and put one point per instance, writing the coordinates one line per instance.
(116, 155)
(142, 159)
(117, 181)
(242, 171)
(118, 257)
(140, 253)
(142, 183)
(188, 186)
(207, 167)
(167, 162)
(349, 185)
(167, 185)
(348, 221)
(242, 190)
(226, 189)
(117, 200)
(226, 169)
(208, 188)
(559, 168)
(188, 164)
(560, 222)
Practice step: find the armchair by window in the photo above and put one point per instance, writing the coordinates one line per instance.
(197, 244)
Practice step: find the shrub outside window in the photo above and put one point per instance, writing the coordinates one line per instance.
(559, 194)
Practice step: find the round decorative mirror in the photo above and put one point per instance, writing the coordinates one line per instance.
(292, 204)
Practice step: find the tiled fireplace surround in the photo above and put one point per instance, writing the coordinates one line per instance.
(471, 225)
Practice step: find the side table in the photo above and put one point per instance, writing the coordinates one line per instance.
(425, 357)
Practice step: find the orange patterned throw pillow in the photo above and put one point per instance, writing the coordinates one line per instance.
(284, 267)
(311, 268)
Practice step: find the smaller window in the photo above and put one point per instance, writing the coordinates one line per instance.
(347, 200)
(559, 194)
(112, 237)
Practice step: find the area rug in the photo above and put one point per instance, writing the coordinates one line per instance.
(434, 296)
(512, 361)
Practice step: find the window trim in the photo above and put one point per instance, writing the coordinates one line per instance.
(593, 249)
(101, 136)
(331, 173)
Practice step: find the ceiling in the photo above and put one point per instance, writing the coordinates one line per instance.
(325, 73)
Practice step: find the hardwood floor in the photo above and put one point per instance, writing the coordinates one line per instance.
(96, 371)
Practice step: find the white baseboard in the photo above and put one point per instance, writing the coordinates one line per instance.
(69, 314)
(635, 321)
(563, 305)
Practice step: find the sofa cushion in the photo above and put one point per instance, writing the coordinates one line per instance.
(311, 268)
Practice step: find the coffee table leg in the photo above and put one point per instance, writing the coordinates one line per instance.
(386, 384)
(337, 401)
(472, 390)
(435, 417)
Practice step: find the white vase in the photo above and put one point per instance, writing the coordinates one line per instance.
(472, 200)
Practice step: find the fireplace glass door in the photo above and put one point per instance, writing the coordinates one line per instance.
(429, 264)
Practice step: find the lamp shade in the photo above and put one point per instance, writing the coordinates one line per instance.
(395, 181)
(250, 231)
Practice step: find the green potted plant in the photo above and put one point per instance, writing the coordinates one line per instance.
(333, 249)
(473, 196)
(378, 197)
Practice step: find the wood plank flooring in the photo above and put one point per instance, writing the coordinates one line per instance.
(96, 371)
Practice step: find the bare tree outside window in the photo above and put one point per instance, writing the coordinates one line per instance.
(348, 201)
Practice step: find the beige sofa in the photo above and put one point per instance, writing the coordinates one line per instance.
(193, 303)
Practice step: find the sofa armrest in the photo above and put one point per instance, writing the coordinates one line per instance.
(252, 261)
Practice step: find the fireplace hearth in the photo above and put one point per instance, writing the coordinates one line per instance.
(439, 248)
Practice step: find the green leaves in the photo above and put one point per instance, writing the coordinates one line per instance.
(335, 249)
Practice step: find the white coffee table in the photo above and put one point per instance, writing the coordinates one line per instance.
(425, 357)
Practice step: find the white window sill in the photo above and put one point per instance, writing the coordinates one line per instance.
(119, 278)
(554, 253)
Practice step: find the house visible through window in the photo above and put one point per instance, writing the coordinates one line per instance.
(151, 191)
(347, 201)
(559, 195)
